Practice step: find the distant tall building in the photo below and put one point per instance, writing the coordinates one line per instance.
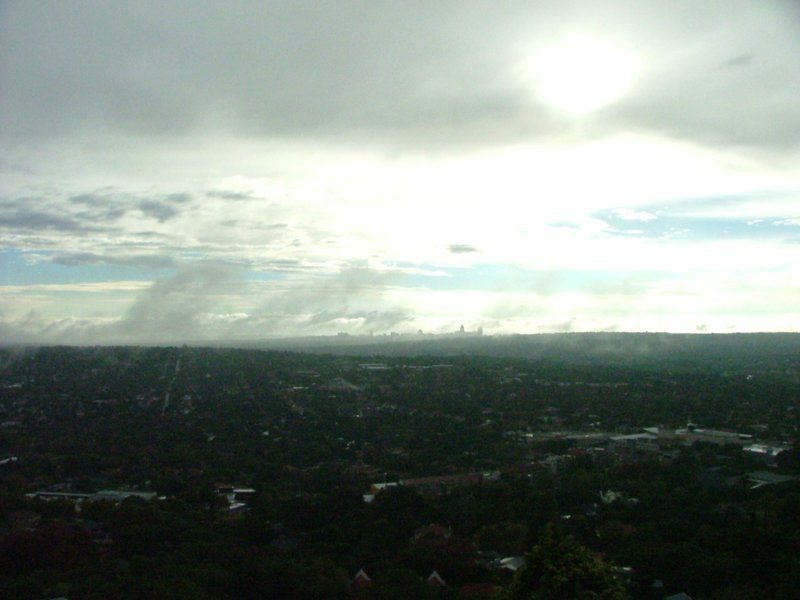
(461, 330)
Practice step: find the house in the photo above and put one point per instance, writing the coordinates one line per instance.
(511, 563)
(611, 496)
(49, 495)
(362, 579)
(376, 488)
(768, 453)
(237, 508)
(113, 495)
(761, 478)
(120, 495)
(435, 579)
(637, 441)
(374, 366)
(694, 434)
(235, 496)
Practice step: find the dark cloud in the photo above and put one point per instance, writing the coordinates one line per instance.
(178, 307)
(282, 264)
(705, 89)
(90, 199)
(36, 220)
(402, 73)
(228, 195)
(150, 235)
(171, 308)
(111, 213)
(180, 198)
(158, 210)
(90, 212)
(462, 248)
(100, 207)
(109, 206)
(740, 60)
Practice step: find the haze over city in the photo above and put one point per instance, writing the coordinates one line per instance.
(245, 170)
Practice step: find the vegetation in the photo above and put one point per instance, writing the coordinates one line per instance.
(558, 568)
(495, 458)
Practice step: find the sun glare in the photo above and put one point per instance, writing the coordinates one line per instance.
(582, 74)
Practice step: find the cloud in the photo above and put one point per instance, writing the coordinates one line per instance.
(99, 207)
(357, 321)
(400, 75)
(297, 166)
(738, 61)
(628, 214)
(350, 293)
(354, 300)
(179, 198)
(462, 248)
(229, 195)
(54, 218)
(700, 219)
(706, 229)
(559, 327)
(158, 210)
(171, 308)
(91, 288)
(32, 220)
(128, 260)
(90, 199)
(708, 87)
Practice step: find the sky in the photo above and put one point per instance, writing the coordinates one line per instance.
(199, 170)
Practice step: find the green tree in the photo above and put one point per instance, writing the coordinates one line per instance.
(561, 568)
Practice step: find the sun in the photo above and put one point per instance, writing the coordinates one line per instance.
(582, 74)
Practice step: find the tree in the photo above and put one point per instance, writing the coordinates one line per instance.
(561, 568)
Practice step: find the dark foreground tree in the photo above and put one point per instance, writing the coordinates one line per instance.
(561, 568)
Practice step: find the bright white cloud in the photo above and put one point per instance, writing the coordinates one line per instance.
(581, 74)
